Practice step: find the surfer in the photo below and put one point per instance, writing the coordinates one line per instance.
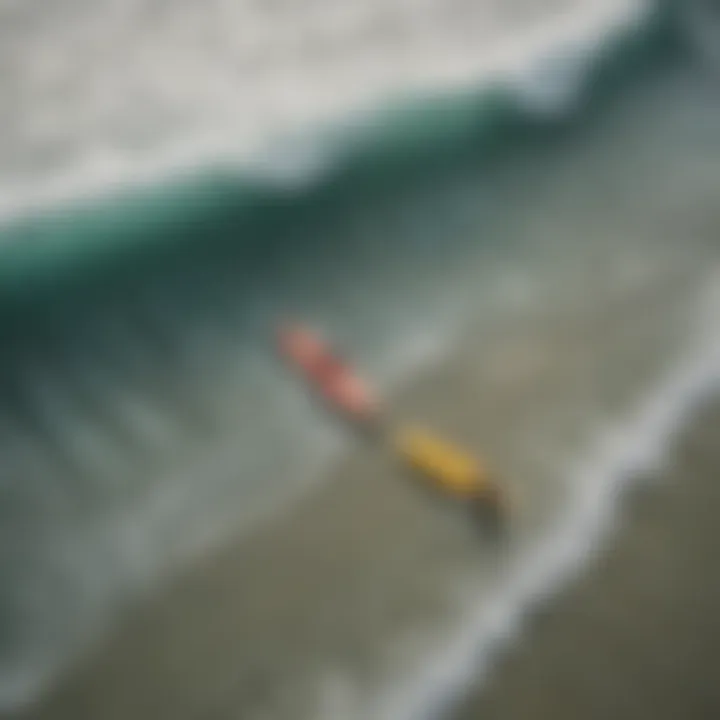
(331, 376)
(449, 469)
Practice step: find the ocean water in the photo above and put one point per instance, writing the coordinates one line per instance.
(149, 86)
(530, 162)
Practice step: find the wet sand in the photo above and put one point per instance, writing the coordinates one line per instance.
(342, 585)
(638, 636)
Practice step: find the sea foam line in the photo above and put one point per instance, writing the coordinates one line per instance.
(626, 453)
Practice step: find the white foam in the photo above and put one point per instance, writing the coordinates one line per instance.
(542, 60)
(622, 455)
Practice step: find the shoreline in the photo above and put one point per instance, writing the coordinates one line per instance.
(636, 634)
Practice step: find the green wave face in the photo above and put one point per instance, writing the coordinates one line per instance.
(233, 206)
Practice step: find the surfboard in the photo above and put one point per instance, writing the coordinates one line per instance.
(448, 467)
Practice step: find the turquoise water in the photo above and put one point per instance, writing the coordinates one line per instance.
(144, 416)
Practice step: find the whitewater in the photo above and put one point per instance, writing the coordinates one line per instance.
(99, 96)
